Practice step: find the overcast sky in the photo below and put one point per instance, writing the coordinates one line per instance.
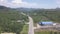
(31, 3)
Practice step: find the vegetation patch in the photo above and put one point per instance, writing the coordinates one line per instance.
(25, 30)
(11, 20)
(47, 32)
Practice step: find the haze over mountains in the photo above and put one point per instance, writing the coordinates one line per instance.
(28, 9)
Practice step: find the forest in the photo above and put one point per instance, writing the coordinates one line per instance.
(11, 20)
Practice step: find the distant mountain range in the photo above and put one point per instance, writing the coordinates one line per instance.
(27, 9)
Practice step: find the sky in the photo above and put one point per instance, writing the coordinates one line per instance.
(31, 3)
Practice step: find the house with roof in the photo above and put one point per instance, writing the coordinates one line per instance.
(46, 23)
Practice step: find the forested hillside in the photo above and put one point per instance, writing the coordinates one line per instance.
(11, 20)
(45, 15)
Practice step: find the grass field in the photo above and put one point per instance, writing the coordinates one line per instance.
(47, 32)
(25, 30)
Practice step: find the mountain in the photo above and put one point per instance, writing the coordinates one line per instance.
(3, 7)
(25, 9)
(28, 9)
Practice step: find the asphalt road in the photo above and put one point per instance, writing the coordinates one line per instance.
(31, 27)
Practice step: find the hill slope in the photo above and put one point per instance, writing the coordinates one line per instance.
(11, 20)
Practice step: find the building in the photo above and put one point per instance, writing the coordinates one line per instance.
(45, 23)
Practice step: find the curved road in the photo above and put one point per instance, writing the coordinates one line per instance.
(31, 27)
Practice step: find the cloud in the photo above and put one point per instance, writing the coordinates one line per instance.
(1, 0)
(18, 3)
(58, 3)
